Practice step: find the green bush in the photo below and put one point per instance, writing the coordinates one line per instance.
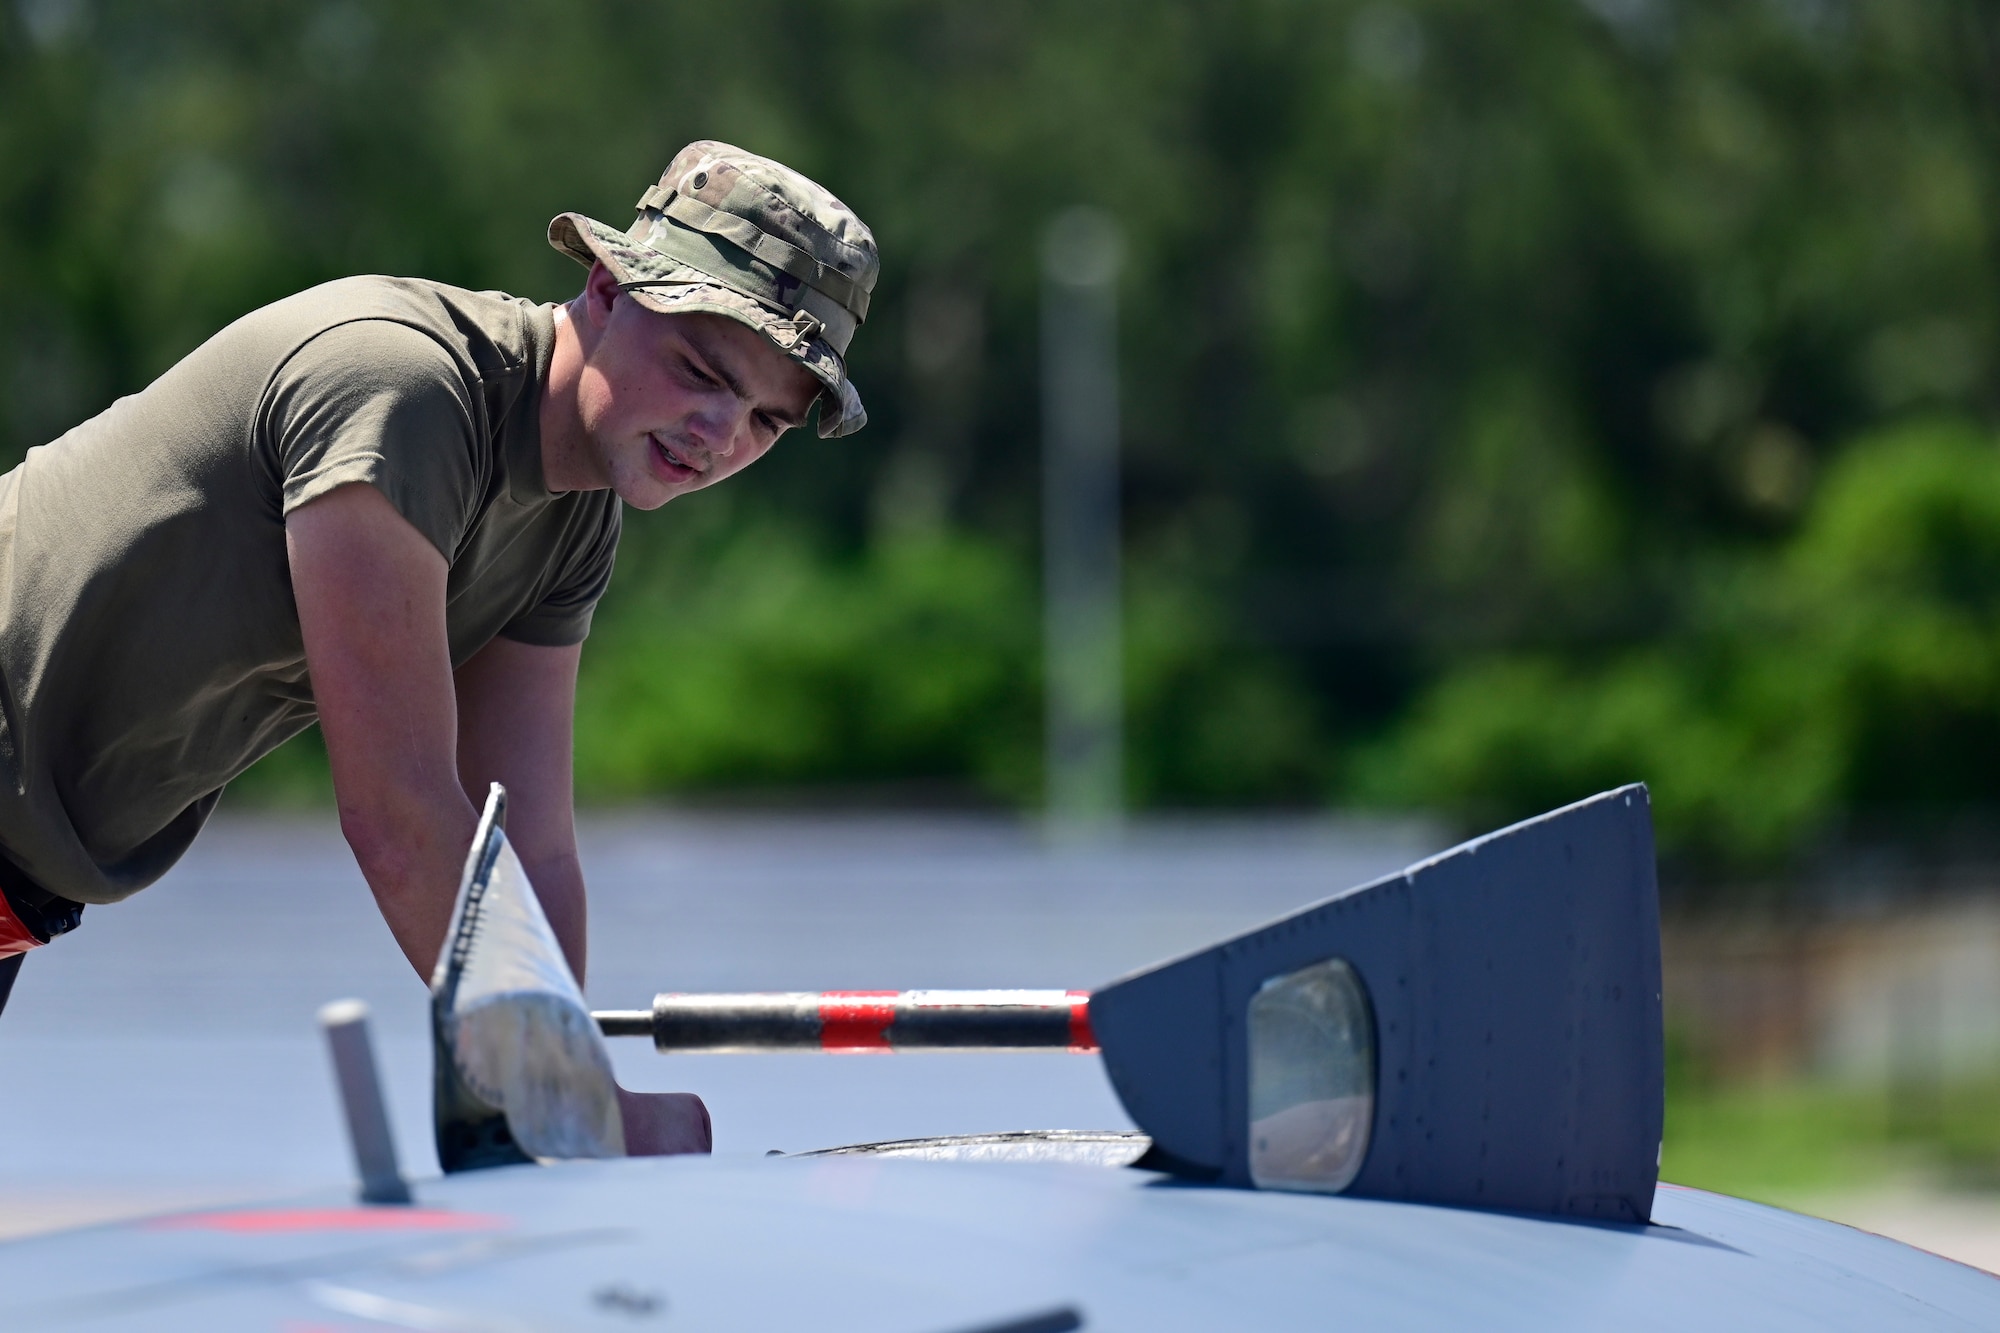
(753, 658)
(767, 663)
(1855, 666)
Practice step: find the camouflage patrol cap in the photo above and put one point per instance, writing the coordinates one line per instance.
(726, 232)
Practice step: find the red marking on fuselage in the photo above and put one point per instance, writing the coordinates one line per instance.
(1082, 1041)
(269, 1220)
(856, 1020)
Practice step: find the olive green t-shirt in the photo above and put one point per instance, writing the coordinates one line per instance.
(149, 643)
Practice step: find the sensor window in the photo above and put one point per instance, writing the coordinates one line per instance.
(1312, 1078)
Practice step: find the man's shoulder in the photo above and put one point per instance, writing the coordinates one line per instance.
(494, 333)
(379, 295)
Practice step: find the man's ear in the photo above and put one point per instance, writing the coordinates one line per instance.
(600, 293)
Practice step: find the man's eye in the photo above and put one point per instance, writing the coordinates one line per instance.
(701, 376)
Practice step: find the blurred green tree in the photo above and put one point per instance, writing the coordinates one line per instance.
(1855, 668)
(1503, 384)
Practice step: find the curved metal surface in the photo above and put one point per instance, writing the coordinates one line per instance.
(846, 1243)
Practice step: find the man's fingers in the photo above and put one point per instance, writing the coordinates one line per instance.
(658, 1124)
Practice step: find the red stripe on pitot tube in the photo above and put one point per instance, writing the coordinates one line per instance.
(856, 1020)
(1082, 1040)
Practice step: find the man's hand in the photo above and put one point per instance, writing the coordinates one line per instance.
(658, 1124)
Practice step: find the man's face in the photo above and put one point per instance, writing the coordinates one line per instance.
(673, 403)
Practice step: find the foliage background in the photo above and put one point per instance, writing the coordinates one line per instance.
(1519, 399)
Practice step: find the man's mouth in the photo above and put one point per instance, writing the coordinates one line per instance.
(680, 466)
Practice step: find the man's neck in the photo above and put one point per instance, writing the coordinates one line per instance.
(567, 461)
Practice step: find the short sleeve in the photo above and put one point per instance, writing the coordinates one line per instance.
(562, 617)
(379, 402)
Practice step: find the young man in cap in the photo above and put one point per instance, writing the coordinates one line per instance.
(391, 505)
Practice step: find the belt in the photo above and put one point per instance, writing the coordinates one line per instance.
(30, 916)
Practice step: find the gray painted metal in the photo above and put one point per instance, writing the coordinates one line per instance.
(1515, 982)
(861, 1245)
(345, 1023)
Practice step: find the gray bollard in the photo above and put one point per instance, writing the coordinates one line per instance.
(346, 1024)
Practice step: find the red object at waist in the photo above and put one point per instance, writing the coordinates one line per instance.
(15, 937)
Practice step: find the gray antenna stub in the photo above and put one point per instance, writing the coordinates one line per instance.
(346, 1025)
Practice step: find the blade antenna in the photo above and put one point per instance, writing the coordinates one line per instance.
(471, 1132)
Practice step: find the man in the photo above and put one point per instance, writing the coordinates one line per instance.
(391, 505)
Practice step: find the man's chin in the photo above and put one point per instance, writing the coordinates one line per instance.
(649, 491)
(648, 498)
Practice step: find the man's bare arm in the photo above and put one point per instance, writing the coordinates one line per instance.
(370, 590)
(516, 711)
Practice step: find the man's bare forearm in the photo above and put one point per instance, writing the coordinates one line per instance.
(515, 702)
(370, 591)
(412, 852)
(413, 856)
(558, 881)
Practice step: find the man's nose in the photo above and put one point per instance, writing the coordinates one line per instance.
(725, 423)
(721, 424)
(708, 426)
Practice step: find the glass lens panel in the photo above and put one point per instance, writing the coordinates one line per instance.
(1312, 1079)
